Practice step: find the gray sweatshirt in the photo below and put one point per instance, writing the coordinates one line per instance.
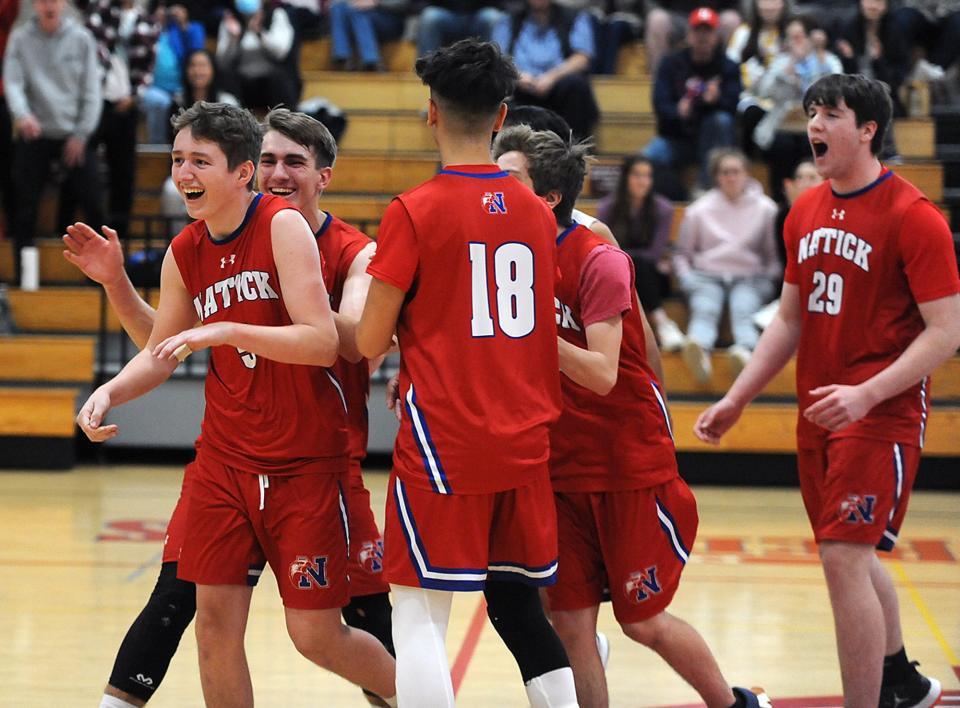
(55, 78)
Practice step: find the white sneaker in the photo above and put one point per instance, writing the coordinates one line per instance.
(764, 316)
(603, 647)
(739, 356)
(698, 361)
(924, 70)
(670, 336)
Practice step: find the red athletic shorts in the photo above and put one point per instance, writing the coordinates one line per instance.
(633, 543)
(857, 489)
(176, 527)
(457, 542)
(365, 564)
(295, 522)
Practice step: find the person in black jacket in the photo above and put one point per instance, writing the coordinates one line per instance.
(695, 97)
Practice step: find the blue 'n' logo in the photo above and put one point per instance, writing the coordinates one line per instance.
(642, 584)
(493, 203)
(856, 509)
(306, 574)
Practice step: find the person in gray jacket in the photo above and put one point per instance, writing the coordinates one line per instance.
(53, 87)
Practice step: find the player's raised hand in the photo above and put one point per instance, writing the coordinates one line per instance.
(393, 395)
(91, 415)
(99, 257)
(181, 345)
(716, 420)
(839, 407)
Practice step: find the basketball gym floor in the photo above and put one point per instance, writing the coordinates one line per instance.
(81, 552)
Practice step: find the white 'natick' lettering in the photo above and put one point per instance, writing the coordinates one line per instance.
(564, 315)
(837, 242)
(245, 285)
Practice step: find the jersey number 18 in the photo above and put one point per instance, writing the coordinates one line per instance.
(513, 277)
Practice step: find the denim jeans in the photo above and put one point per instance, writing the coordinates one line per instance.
(439, 26)
(716, 130)
(156, 104)
(706, 294)
(367, 27)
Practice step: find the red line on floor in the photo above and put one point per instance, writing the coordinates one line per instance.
(947, 698)
(469, 645)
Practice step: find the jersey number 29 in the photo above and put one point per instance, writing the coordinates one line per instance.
(513, 277)
(827, 293)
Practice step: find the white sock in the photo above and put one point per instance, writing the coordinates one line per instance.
(419, 636)
(114, 702)
(554, 689)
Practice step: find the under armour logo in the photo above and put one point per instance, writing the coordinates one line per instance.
(837, 214)
(231, 260)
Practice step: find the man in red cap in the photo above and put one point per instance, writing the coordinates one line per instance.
(695, 98)
(665, 25)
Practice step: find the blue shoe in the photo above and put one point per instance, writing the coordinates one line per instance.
(753, 697)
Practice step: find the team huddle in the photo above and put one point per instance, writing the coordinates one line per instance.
(534, 421)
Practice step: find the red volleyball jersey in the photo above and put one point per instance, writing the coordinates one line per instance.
(339, 245)
(479, 377)
(618, 441)
(261, 416)
(862, 261)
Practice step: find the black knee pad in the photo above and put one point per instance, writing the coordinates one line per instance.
(153, 638)
(371, 613)
(515, 611)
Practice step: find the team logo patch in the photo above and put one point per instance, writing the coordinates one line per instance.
(370, 557)
(307, 574)
(493, 203)
(642, 584)
(856, 509)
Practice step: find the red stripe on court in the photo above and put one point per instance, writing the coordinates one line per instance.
(469, 645)
(949, 698)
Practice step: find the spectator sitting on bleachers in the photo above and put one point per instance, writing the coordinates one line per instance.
(552, 48)
(179, 36)
(52, 80)
(782, 132)
(934, 26)
(444, 22)
(363, 24)
(126, 39)
(753, 47)
(695, 97)
(665, 26)
(256, 55)
(640, 220)
(726, 253)
(616, 23)
(306, 16)
(9, 9)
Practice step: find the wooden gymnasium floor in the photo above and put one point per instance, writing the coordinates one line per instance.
(80, 554)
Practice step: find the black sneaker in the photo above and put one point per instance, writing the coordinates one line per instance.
(754, 697)
(918, 691)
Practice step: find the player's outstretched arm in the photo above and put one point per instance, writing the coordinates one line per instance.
(595, 367)
(312, 337)
(777, 344)
(101, 259)
(379, 321)
(145, 371)
(940, 339)
(354, 296)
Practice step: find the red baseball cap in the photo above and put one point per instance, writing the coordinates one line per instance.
(703, 16)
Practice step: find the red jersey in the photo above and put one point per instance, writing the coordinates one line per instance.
(473, 249)
(622, 440)
(862, 261)
(261, 416)
(339, 245)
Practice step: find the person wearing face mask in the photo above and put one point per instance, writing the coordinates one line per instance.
(257, 55)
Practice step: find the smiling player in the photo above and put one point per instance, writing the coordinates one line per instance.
(870, 304)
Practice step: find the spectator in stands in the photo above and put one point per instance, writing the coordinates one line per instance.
(8, 16)
(552, 47)
(666, 25)
(726, 252)
(306, 16)
(641, 220)
(363, 24)
(695, 97)
(934, 26)
(782, 132)
(52, 79)
(126, 38)
(179, 36)
(753, 47)
(257, 55)
(444, 22)
(617, 22)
